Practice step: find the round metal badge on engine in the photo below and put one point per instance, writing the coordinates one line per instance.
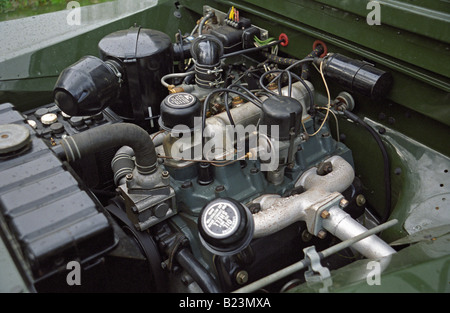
(225, 226)
(180, 100)
(220, 219)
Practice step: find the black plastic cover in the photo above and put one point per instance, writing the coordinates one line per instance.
(284, 112)
(179, 109)
(235, 39)
(51, 217)
(86, 87)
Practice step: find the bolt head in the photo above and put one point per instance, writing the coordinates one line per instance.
(360, 200)
(242, 277)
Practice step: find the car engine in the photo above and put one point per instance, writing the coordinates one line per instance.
(205, 164)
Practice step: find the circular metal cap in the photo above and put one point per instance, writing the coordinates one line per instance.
(49, 118)
(180, 100)
(221, 219)
(225, 226)
(13, 137)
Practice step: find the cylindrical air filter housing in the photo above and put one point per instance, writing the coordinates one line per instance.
(358, 76)
(145, 56)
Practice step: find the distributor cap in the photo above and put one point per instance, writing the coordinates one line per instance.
(284, 112)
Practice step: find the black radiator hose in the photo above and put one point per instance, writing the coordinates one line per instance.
(197, 271)
(114, 135)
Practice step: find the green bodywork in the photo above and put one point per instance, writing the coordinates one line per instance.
(412, 42)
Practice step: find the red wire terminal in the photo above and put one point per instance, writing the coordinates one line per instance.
(285, 39)
(325, 48)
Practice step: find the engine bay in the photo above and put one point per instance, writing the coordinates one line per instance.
(207, 164)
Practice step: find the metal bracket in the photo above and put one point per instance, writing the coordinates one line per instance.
(316, 272)
(314, 220)
(315, 266)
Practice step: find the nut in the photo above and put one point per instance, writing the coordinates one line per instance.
(306, 236)
(343, 203)
(324, 214)
(129, 176)
(322, 234)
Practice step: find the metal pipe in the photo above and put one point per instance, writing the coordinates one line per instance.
(305, 262)
(343, 226)
(203, 21)
(174, 75)
(320, 190)
(286, 211)
(338, 180)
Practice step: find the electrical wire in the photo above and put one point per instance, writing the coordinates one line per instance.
(208, 99)
(157, 133)
(244, 51)
(246, 90)
(335, 119)
(328, 104)
(295, 76)
(258, 43)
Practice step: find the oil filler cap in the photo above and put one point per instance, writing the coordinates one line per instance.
(225, 226)
(13, 138)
